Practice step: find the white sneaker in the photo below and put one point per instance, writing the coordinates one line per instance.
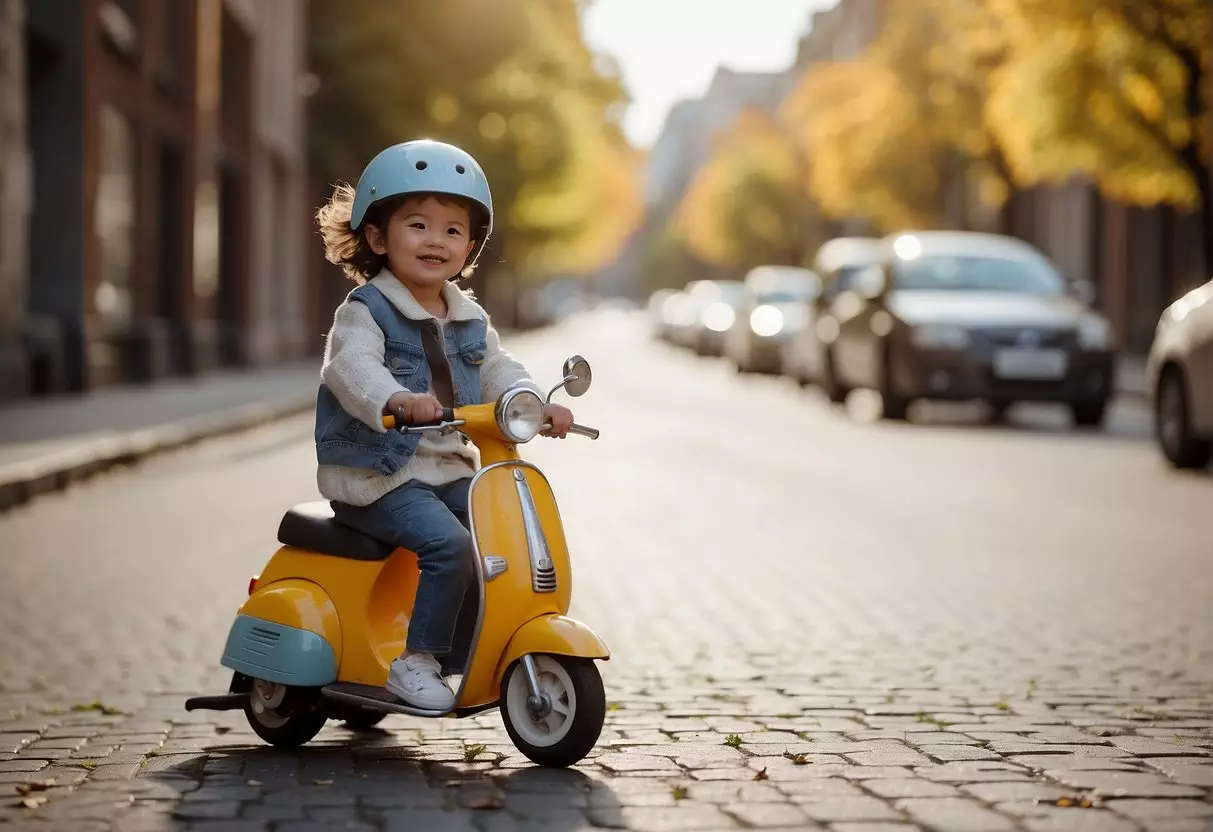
(418, 681)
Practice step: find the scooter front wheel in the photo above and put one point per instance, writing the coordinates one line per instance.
(565, 726)
(282, 715)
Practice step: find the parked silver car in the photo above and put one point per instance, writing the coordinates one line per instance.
(1179, 371)
(837, 262)
(774, 307)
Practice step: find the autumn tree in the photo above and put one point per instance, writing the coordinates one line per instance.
(867, 138)
(667, 260)
(1115, 90)
(885, 130)
(512, 83)
(749, 204)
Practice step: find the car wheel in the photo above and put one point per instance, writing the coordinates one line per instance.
(829, 380)
(1089, 414)
(998, 412)
(1171, 425)
(896, 408)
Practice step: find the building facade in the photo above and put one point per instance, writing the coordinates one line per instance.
(168, 213)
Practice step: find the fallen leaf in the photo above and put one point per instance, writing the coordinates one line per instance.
(34, 802)
(254, 782)
(493, 799)
(34, 786)
(762, 774)
(322, 782)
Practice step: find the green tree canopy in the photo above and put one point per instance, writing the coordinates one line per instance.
(512, 83)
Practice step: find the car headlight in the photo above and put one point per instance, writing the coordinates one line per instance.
(936, 336)
(766, 321)
(1094, 334)
(520, 414)
(719, 316)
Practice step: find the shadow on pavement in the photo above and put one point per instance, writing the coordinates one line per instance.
(376, 782)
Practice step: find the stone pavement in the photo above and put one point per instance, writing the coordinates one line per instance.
(816, 623)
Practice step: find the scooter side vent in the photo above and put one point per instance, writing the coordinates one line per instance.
(262, 636)
(544, 580)
(543, 568)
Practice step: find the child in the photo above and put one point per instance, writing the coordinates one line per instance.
(408, 342)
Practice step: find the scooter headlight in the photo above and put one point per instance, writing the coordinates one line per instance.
(520, 414)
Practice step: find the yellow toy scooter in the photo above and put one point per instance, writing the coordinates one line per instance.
(330, 612)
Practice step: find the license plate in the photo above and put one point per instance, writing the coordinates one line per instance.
(1030, 364)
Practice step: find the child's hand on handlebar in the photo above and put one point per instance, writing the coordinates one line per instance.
(414, 408)
(561, 419)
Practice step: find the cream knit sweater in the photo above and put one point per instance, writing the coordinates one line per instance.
(355, 372)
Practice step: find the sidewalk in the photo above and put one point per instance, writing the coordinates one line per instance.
(1131, 376)
(47, 443)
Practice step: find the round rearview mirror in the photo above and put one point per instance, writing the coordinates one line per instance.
(577, 371)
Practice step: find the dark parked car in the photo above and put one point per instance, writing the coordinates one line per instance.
(962, 315)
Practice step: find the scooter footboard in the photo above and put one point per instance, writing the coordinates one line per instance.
(287, 632)
(556, 635)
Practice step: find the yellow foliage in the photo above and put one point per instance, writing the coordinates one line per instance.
(1101, 89)
(748, 205)
(870, 148)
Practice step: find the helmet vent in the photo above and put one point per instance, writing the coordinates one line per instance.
(422, 165)
(460, 169)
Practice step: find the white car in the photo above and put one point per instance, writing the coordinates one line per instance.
(1179, 372)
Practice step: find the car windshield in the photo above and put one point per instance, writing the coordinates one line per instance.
(732, 292)
(977, 273)
(789, 295)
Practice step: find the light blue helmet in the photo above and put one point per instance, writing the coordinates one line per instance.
(425, 166)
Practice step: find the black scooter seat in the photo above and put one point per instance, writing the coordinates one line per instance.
(312, 526)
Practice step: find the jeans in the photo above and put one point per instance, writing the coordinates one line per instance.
(432, 521)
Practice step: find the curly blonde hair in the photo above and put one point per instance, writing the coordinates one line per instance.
(349, 249)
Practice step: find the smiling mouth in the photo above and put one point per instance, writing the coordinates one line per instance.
(432, 259)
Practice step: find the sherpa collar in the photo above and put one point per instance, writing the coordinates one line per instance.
(459, 304)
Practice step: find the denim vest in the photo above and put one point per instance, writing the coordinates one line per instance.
(341, 439)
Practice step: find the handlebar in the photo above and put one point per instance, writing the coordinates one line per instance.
(582, 430)
(448, 420)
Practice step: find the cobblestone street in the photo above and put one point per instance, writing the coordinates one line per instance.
(817, 622)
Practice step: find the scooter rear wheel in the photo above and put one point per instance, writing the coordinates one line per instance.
(282, 715)
(567, 731)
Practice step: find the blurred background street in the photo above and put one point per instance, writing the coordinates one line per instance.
(901, 323)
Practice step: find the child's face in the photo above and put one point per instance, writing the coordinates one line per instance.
(427, 241)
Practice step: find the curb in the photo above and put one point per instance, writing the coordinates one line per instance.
(22, 481)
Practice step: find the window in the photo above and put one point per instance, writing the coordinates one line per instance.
(115, 215)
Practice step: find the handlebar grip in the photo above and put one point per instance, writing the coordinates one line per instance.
(448, 415)
(582, 430)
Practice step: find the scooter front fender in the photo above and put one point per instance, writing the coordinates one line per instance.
(286, 632)
(555, 635)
